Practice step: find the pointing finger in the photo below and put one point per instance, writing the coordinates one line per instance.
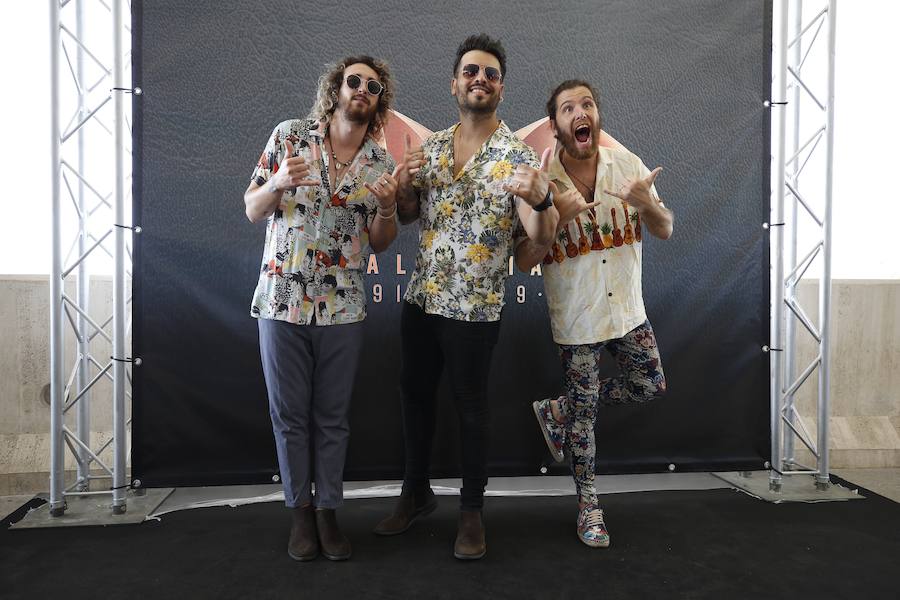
(545, 160)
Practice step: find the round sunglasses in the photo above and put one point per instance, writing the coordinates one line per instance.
(491, 73)
(373, 87)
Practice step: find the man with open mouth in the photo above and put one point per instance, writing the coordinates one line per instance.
(604, 197)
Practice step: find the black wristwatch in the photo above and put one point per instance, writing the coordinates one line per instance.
(547, 203)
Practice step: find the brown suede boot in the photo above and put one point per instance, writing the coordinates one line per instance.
(304, 543)
(335, 545)
(470, 537)
(409, 507)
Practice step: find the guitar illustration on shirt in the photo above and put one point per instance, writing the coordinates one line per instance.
(583, 245)
(558, 255)
(571, 248)
(629, 233)
(617, 233)
(596, 239)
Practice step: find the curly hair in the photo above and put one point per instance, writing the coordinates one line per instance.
(331, 81)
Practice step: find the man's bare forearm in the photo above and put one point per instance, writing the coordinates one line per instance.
(541, 226)
(260, 203)
(407, 205)
(659, 220)
(529, 253)
(382, 232)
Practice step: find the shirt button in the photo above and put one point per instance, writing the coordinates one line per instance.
(609, 294)
(604, 261)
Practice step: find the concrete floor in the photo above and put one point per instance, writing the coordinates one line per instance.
(885, 482)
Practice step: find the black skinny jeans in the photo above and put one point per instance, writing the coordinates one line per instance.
(429, 344)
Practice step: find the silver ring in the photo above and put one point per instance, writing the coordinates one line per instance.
(518, 183)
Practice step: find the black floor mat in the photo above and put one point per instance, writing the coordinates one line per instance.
(668, 544)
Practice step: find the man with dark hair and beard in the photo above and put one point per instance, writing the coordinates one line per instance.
(472, 187)
(327, 192)
(604, 197)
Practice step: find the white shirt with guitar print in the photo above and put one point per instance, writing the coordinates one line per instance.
(592, 274)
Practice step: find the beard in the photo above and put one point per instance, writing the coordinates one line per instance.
(576, 149)
(487, 106)
(356, 113)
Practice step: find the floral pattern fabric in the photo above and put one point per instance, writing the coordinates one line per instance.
(468, 224)
(641, 379)
(317, 239)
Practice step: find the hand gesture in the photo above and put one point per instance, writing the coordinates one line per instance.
(570, 203)
(293, 170)
(531, 184)
(637, 193)
(413, 159)
(385, 189)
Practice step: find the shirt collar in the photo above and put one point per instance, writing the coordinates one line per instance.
(371, 149)
(557, 171)
(497, 140)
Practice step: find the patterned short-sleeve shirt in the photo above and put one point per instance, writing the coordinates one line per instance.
(468, 224)
(592, 274)
(317, 239)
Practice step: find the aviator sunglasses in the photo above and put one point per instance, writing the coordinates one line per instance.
(373, 87)
(492, 73)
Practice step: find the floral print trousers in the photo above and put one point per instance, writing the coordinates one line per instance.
(641, 379)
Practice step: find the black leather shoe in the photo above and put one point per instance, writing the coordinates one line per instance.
(409, 507)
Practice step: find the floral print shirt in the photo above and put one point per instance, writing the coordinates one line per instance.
(468, 225)
(317, 239)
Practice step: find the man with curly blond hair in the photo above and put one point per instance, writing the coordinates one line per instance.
(327, 192)
(471, 186)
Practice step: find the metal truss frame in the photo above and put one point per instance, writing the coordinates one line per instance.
(790, 157)
(797, 102)
(100, 217)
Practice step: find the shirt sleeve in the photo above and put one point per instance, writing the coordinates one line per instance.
(268, 162)
(532, 159)
(421, 176)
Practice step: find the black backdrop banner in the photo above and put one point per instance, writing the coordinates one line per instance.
(683, 85)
